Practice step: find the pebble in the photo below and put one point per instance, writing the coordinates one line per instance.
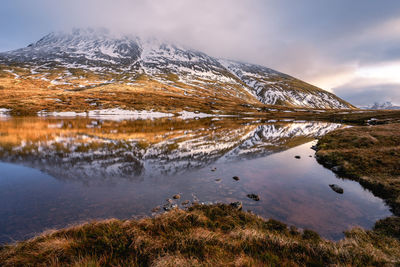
(253, 197)
(336, 168)
(168, 207)
(177, 196)
(336, 188)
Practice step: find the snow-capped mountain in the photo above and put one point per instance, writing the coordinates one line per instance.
(129, 57)
(386, 105)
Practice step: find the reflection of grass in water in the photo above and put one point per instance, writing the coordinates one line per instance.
(298, 140)
(142, 145)
(22, 137)
(42, 130)
(204, 235)
(89, 146)
(171, 147)
(65, 136)
(60, 148)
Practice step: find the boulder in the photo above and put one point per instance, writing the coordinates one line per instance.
(336, 188)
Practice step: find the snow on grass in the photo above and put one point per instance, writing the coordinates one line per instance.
(119, 114)
(109, 51)
(16, 76)
(4, 112)
(116, 114)
(44, 113)
(59, 82)
(192, 115)
(122, 114)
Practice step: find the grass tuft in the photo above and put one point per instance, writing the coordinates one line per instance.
(215, 235)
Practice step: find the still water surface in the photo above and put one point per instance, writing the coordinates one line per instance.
(56, 172)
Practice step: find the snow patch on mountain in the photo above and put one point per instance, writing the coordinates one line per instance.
(385, 105)
(103, 52)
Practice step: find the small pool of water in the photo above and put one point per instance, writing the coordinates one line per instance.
(57, 172)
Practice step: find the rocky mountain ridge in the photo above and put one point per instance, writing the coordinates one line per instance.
(61, 58)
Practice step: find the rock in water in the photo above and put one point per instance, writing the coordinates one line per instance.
(168, 206)
(236, 178)
(237, 205)
(177, 196)
(253, 197)
(336, 168)
(297, 157)
(336, 188)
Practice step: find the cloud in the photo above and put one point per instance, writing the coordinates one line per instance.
(366, 95)
(322, 42)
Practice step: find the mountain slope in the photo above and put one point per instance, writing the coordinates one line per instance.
(91, 58)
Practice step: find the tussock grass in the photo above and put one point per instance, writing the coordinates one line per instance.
(367, 154)
(216, 235)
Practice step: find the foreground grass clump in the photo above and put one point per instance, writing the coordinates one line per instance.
(369, 155)
(216, 235)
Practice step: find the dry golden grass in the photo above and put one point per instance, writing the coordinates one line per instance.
(215, 235)
(29, 94)
(368, 154)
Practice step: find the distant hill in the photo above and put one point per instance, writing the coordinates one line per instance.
(385, 105)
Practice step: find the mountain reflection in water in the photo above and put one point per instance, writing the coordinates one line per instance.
(93, 150)
(57, 172)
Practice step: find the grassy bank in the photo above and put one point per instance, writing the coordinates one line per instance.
(217, 235)
(367, 154)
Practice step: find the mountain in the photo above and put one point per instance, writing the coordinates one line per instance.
(386, 105)
(87, 58)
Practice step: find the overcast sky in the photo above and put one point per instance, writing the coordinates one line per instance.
(349, 47)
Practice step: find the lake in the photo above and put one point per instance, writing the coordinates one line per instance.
(56, 172)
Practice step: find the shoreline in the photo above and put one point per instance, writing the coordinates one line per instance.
(366, 154)
(219, 235)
